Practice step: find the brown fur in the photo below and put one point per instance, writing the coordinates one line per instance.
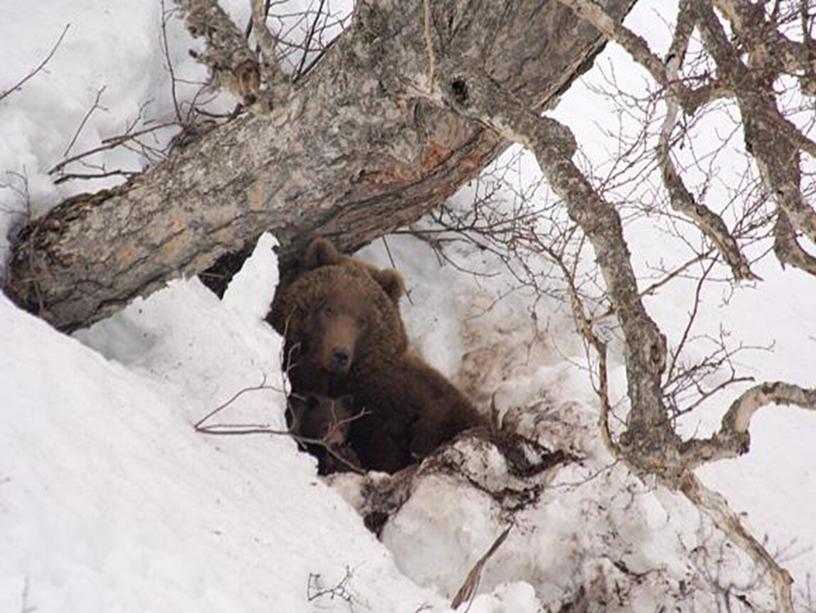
(327, 420)
(410, 408)
(321, 252)
(329, 308)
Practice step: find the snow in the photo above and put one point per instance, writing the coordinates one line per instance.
(111, 501)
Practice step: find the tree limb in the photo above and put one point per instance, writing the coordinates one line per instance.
(733, 439)
(716, 508)
(787, 248)
(676, 95)
(649, 444)
(351, 153)
(478, 97)
(770, 138)
(276, 81)
(681, 199)
(231, 62)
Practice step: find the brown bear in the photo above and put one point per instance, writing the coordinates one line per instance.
(321, 426)
(344, 336)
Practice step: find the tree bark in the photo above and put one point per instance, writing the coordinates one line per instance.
(351, 154)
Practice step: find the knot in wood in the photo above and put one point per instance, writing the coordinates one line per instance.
(459, 91)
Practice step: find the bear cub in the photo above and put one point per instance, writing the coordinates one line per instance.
(327, 420)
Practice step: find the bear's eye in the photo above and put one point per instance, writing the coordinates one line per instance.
(361, 322)
(328, 310)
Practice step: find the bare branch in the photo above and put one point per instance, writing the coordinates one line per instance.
(553, 144)
(315, 588)
(681, 199)
(109, 143)
(85, 119)
(261, 386)
(468, 589)
(102, 174)
(584, 324)
(787, 248)
(689, 99)
(307, 44)
(231, 62)
(634, 44)
(716, 508)
(277, 82)
(733, 438)
(39, 67)
(245, 429)
(771, 138)
(170, 69)
(791, 56)
(677, 94)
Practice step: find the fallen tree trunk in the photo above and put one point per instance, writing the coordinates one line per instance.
(350, 154)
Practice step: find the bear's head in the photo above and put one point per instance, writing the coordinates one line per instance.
(337, 319)
(321, 252)
(321, 418)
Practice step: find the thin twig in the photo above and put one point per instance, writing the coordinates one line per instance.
(39, 67)
(468, 589)
(110, 143)
(85, 119)
(97, 175)
(309, 37)
(166, 49)
(233, 398)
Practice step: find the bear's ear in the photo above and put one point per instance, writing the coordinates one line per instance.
(391, 281)
(321, 252)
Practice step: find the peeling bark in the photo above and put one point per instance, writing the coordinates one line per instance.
(351, 154)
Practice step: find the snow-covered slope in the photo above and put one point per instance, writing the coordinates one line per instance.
(110, 501)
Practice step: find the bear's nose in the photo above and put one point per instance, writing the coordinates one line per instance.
(340, 359)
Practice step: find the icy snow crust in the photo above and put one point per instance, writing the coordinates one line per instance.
(110, 501)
